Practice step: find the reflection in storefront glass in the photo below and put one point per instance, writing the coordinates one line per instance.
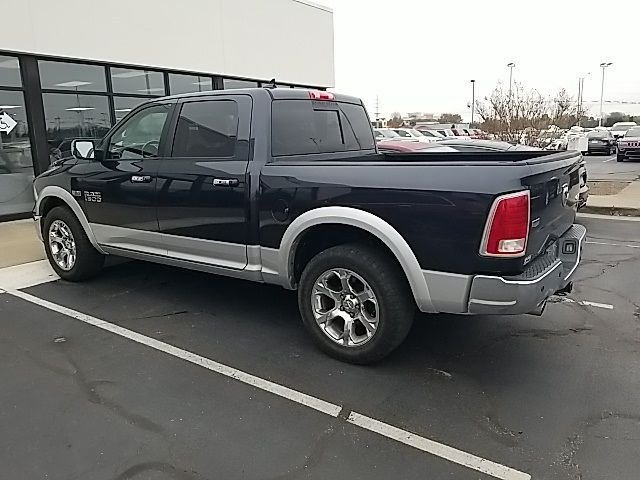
(71, 76)
(71, 116)
(16, 164)
(230, 83)
(123, 105)
(126, 80)
(9, 72)
(179, 83)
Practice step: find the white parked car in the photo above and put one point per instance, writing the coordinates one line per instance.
(413, 134)
(620, 128)
(432, 134)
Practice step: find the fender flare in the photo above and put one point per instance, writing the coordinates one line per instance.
(72, 203)
(365, 221)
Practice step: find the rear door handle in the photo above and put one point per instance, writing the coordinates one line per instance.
(225, 182)
(141, 178)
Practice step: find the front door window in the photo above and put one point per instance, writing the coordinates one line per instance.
(139, 136)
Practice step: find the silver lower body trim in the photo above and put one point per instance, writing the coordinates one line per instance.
(37, 223)
(245, 274)
(487, 294)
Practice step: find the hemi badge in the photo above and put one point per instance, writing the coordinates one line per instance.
(76, 193)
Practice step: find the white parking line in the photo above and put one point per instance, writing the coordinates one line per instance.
(586, 303)
(609, 160)
(293, 395)
(596, 304)
(426, 445)
(608, 217)
(612, 244)
(443, 451)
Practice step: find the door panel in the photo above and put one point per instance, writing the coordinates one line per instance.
(202, 186)
(111, 198)
(119, 192)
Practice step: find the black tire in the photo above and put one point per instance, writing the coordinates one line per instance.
(88, 262)
(395, 310)
(619, 158)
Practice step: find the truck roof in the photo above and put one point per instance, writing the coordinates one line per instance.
(276, 94)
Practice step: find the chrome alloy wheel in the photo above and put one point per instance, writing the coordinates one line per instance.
(62, 245)
(345, 307)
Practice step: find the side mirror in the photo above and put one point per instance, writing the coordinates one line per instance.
(82, 149)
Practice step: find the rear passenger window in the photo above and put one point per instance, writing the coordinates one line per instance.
(303, 127)
(206, 129)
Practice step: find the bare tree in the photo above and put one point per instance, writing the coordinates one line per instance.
(519, 114)
(396, 120)
(450, 118)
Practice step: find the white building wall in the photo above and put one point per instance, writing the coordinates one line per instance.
(290, 40)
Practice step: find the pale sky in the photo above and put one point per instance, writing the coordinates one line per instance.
(420, 55)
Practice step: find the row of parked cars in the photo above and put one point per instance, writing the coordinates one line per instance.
(622, 138)
(427, 135)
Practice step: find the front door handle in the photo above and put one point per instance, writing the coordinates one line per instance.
(140, 178)
(225, 182)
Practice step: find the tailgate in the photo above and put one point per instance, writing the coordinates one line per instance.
(554, 183)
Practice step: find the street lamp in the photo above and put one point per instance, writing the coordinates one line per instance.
(473, 99)
(510, 65)
(581, 95)
(603, 65)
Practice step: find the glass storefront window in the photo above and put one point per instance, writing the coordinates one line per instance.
(189, 83)
(127, 80)
(9, 72)
(16, 164)
(123, 105)
(233, 83)
(70, 116)
(72, 76)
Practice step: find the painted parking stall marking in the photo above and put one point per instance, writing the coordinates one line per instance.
(432, 447)
(443, 451)
(586, 303)
(612, 244)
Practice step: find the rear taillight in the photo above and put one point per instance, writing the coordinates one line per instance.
(320, 95)
(507, 228)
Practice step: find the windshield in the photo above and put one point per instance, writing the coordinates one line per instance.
(385, 132)
(633, 132)
(415, 133)
(597, 134)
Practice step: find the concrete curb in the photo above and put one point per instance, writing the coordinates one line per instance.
(613, 211)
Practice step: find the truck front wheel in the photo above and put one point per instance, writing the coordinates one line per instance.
(356, 303)
(68, 249)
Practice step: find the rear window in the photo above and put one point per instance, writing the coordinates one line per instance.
(302, 127)
(598, 134)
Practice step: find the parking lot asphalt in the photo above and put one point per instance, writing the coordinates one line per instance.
(553, 396)
(605, 167)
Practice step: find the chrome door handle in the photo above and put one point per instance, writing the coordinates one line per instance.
(141, 178)
(225, 182)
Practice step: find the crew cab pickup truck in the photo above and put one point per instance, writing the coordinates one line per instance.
(286, 186)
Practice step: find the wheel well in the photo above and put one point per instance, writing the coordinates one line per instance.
(321, 237)
(49, 203)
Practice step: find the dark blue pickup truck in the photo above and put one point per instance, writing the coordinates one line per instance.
(286, 186)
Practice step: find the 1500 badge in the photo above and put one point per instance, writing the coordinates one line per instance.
(95, 197)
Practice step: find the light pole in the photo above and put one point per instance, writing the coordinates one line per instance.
(581, 95)
(510, 65)
(603, 65)
(473, 100)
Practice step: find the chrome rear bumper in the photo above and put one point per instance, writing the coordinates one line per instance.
(527, 292)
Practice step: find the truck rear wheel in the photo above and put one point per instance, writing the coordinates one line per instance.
(356, 303)
(68, 248)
